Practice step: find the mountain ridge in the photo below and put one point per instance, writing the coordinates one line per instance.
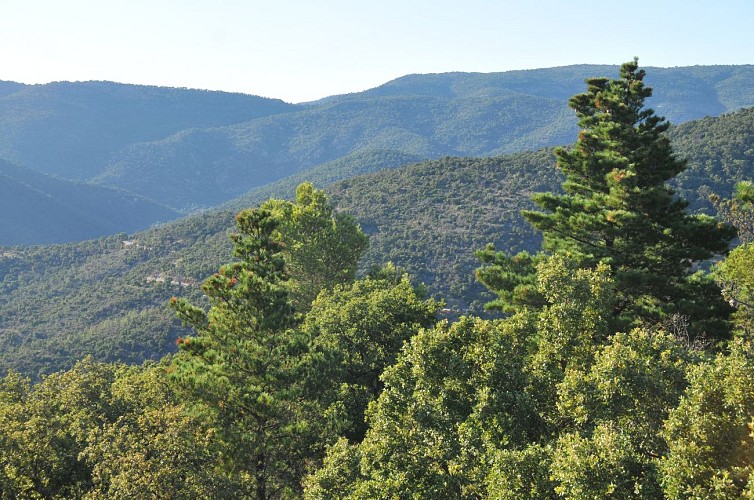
(43, 209)
(96, 297)
(193, 149)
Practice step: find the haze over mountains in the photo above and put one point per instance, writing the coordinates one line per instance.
(107, 297)
(433, 167)
(97, 158)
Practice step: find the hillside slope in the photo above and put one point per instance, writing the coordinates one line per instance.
(71, 130)
(719, 149)
(39, 209)
(189, 149)
(108, 297)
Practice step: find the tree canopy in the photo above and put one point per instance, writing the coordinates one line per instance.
(301, 380)
(617, 208)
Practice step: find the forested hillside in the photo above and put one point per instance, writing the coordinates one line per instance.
(719, 150)
(621, 367)
(431, 217)
(188, 149)
(346, 167)
(108, 297)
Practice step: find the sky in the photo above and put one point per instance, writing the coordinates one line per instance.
(304, 50)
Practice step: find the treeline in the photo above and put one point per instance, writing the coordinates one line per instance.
(428, 218)
(620, 369)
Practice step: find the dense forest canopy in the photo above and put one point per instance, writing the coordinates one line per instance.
(299, 376)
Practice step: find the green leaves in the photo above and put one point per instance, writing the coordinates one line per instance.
(617, 209)
(710, 433)
(251, 361)
(359, 330)
(322, 248)
(246, 360)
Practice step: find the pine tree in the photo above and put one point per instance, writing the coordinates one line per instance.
(617, 208)
(248, 362)
(322, 246)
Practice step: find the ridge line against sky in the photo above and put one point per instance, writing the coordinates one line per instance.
(304, 50)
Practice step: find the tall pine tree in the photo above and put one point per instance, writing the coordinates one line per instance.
(249, 363)
(617, 208)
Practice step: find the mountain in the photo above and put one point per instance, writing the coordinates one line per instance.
(681, 93)
(189, 149)
(71, 130)
(431, 116)
(7, 87)
(209, 166)
(107, 297)
(719, 149)
(40, 209)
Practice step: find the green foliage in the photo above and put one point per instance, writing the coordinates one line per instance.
(522, 473)
(359, 329)
(618, 209)
(104, 431)
(248, 362)
(734, 274)
(575, 320)
(634, 381)
(345, 167)
(412, 444)
(512, 277)
(322, 248)
(719, 156)
(339, 474)
(605, 465)
(155, 447)
(542, 404)
(464, 400)
(45, 429)
(710, 434)
(613, 410)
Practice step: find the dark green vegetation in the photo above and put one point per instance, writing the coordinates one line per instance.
(718, 150)
(362, 392)
(187, 149)
(617, 209)
(111, 292)
(430, 218)
(346, 167)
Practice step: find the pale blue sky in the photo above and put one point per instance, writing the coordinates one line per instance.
(299, 50)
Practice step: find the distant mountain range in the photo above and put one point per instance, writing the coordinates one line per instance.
(168, 152)
(38, 208)
(107, 297)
